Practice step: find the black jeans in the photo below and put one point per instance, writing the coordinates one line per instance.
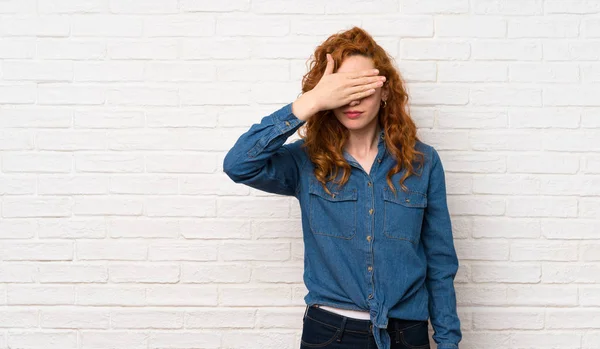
(324, 329)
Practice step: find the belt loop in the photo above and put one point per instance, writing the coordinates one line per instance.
(397, 327)
(339, 338)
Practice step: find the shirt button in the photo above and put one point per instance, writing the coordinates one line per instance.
(370, 268)
(371, 211)
(369, 238)
(379, 160)
(369, 184)
(370, 296)
(287, 123)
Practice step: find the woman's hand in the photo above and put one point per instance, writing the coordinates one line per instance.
(336, 90)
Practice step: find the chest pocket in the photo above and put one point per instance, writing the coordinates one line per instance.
(332, 215)
(403, 214)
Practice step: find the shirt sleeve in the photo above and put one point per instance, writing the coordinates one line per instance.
(442, 261)
(261, 160)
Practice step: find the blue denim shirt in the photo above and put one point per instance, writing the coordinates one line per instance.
(365, 248)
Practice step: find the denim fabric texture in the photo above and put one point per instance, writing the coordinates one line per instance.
(365, 248)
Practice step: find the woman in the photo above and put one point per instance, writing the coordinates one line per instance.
(379, 255)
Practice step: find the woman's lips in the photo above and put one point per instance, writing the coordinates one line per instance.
(353, 115)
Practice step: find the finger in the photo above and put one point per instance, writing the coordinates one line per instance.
(360, 88)
(366, 80)
(361, 94)
(363, 73)
(329, 66)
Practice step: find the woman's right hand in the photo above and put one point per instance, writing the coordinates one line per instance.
(336, 90)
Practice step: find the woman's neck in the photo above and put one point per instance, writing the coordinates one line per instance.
(364, 142)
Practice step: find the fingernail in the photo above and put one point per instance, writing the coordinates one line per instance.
(375, 71)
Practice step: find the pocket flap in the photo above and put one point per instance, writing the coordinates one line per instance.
(409, 199)
(345, 194)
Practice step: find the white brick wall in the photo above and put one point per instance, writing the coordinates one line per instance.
(119, 230)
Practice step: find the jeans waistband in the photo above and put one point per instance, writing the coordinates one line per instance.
(352, 324)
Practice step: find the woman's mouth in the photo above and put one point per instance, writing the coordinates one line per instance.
(353, 115)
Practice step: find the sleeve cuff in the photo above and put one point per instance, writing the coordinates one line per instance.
(447, 346)
(285, 120)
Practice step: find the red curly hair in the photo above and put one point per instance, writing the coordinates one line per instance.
(325, 137)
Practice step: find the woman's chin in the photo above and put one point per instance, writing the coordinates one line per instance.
(356, 124)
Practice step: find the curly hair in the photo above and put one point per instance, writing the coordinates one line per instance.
(325, 137)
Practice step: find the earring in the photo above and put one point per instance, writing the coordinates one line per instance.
(384, 104)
